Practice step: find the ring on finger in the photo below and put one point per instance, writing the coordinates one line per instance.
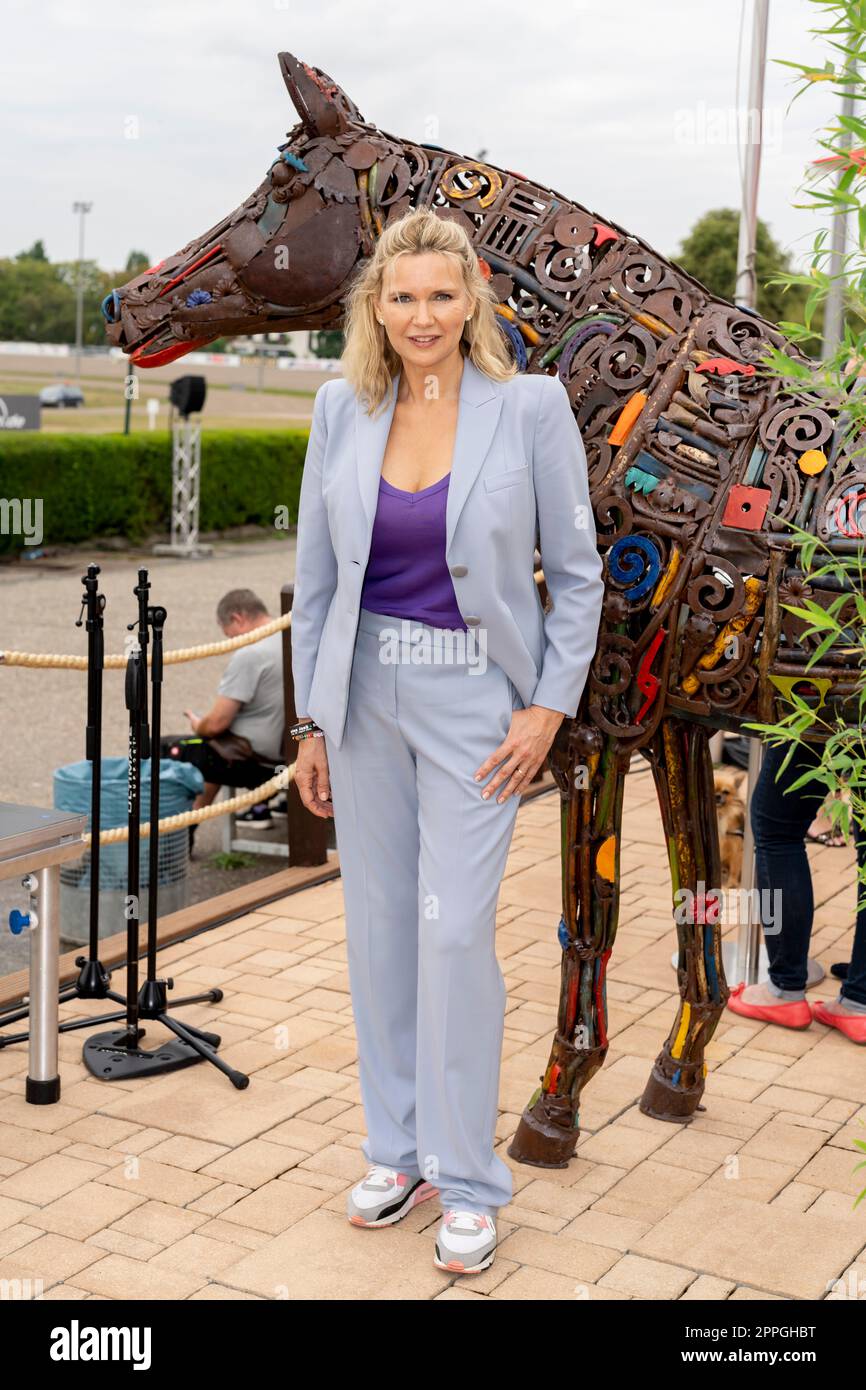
(515, 774)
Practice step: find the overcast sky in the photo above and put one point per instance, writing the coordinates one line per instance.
(622, 105)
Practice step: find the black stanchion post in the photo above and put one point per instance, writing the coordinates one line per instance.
(93, 981)
(157, 618)
(116, 1055)
(134, 704)
(94, 602)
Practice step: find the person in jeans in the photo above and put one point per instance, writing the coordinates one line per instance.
(249, 703)
(780, 818)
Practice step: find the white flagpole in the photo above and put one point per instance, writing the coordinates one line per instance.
(745, 957)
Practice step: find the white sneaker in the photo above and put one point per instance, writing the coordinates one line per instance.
(466, 1242)
(385, 1195)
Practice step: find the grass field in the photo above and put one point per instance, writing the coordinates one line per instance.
(246, 397)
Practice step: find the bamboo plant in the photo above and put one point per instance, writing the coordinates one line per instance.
(835, 186)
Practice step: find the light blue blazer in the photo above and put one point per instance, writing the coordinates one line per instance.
(518, 456)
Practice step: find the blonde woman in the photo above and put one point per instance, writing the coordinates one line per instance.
(430, 686)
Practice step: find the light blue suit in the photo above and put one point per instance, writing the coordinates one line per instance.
(517, 452)
(421, 852)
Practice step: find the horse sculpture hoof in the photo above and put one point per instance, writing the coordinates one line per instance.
(664, 1100)
(547, 1135)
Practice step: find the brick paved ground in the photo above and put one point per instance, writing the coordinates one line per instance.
(181, 1187)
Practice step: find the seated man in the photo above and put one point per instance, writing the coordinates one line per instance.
(240, 740)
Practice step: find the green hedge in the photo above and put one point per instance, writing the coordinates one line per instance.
(120, 485)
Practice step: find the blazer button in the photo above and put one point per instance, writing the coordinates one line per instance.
(458, 571)
(472, 621)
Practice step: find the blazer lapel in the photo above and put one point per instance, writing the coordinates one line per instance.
(478, 413)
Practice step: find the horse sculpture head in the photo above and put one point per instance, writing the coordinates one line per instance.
(698, 461)
(280, 261)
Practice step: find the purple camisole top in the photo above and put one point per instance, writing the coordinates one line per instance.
(407, 575)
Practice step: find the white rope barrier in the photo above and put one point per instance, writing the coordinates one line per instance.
(48, 661)
(219, 808)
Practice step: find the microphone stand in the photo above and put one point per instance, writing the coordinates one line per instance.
(93, 978)
(116, 1055)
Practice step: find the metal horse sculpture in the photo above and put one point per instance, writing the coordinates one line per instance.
(696, 461)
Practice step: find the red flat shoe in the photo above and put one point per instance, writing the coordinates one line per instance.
(853, 1026)
(790, 1013)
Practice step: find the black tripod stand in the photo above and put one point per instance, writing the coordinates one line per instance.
(116, 1055)
(93, 979)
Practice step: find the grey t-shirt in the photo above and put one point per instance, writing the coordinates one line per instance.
(254, 675)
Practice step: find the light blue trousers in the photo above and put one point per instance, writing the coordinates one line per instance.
(422, 856)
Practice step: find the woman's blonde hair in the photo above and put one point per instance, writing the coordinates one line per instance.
(369, 361)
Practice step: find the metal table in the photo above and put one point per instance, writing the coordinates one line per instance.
(33, 844)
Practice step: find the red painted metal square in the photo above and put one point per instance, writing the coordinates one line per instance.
(746, 507)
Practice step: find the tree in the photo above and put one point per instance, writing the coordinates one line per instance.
(136, 262)
(36, 253)
(709, 253)
(37, 300)
(36, 305)
(327, 342)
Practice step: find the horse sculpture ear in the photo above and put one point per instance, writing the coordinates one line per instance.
(321, 104)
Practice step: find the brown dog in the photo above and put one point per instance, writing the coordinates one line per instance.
(731, 811)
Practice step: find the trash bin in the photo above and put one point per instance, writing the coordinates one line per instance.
(179, 783)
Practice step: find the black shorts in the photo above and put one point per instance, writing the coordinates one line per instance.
(213, 768)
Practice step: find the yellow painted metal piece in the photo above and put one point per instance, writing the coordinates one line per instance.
(653, 324)
(667, 578)
(530, 334)
(813, 461)
(786, 684)
(754, 592)
(676, 1050)
(648, 320)
(605, 860)
(479, 173)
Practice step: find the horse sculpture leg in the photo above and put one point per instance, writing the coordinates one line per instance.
(590, 773)
(683, 772)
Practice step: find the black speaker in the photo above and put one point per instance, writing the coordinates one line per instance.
(187, 394)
